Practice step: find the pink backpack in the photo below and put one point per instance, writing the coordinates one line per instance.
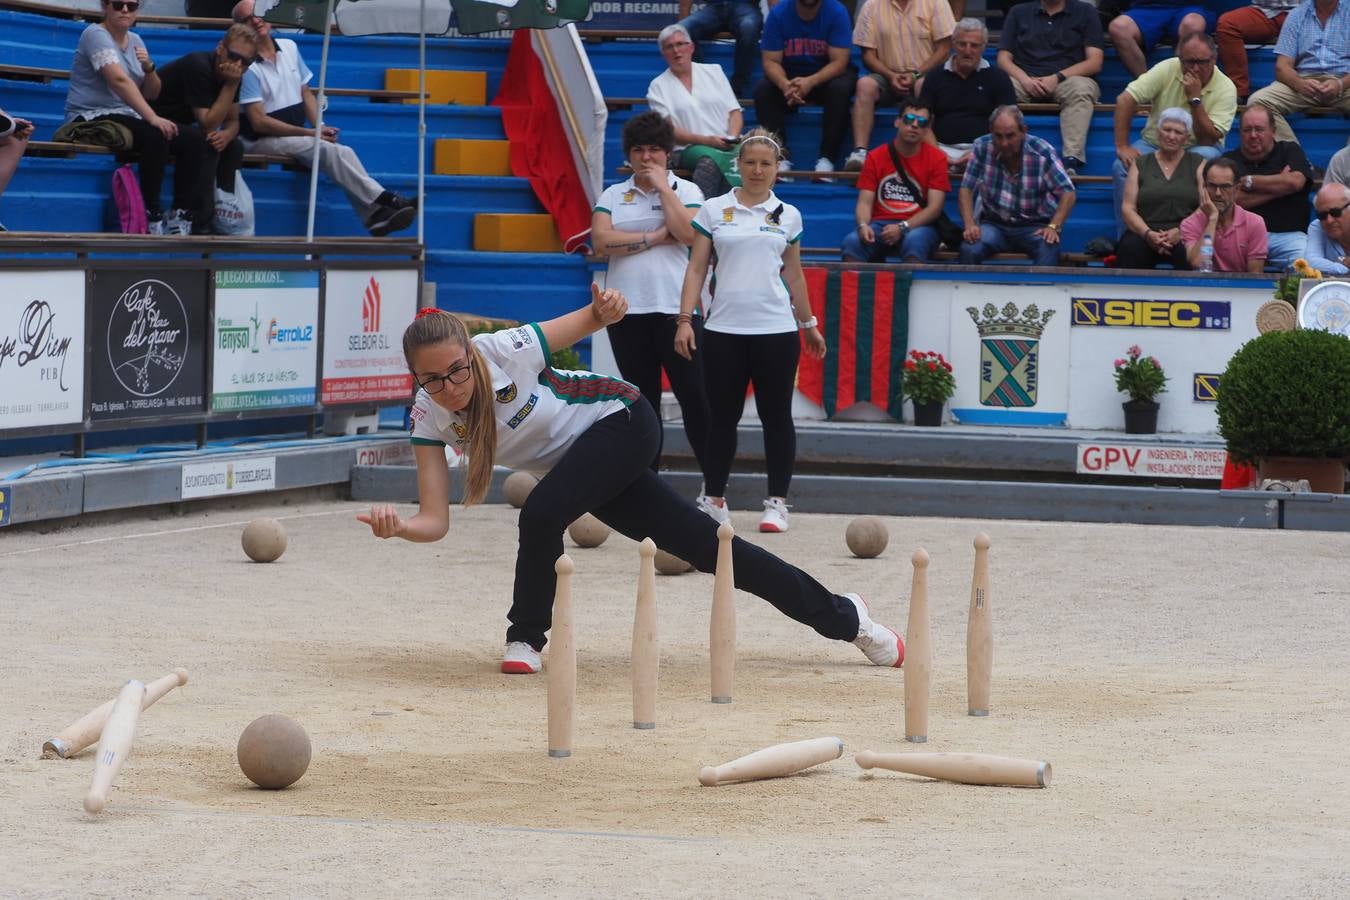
(127, 198)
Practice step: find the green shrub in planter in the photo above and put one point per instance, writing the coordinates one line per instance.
(1287, 393)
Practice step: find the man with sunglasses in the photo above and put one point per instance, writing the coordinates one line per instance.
(1273, 181)
(200, 91)
(901, 189)
(1238, 236)
(278, 109)
(1328, 247)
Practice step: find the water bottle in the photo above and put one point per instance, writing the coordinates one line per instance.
(1207, 253)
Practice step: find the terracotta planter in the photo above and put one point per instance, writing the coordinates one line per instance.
(1326, 476)
(928, 414)
(1141, 416)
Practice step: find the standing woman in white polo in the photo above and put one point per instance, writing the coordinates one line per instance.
(643, 226)
(759, 303)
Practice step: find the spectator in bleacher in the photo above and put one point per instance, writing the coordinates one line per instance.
(1274, 178)
(113, 78)
(1338, 169)
(278, 107)
(1052, 49)
(1162, 189)
(14, 134)
(901, 190)
(1149, 23)
(742, 19)
(1239, 236)
(700, 104)
(642, 225)
(805, 55)
(1256, 24)
(963, 93)
(1023, 191)
(759, 319)
(1312, 63)
(200, 92)
(1328, 247)
(1190, 80)
(900, 44)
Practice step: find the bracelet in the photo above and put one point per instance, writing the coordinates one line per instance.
(809, 323)
(684, 318)
(1052, 226)
(645, 243)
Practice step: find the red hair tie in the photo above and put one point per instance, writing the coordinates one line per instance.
(428, 311)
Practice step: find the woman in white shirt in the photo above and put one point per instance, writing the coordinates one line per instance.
(759, 302)
(642, 225)
(699, 102)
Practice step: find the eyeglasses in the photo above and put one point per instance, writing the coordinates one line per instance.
(676, 45)
(912, 119)
(436, 383)
(1196, 63)
(240, 58)
(1209, 185)
(1334, 213)
(124, 5)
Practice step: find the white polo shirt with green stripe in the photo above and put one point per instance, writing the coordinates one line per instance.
(540, 410)
(650, 280)
(748, 293)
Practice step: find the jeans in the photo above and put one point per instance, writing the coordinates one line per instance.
(996, 238)
(744, 22)
(1119, 174)
(605, 472)
(915, 246)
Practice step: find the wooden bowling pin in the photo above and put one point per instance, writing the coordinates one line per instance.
(562, 664)
(979, 633)
(966, 768)
(114, 745)
(86, 729)
(722, 630)
(918, 653)
(773, 762)
(646, 648)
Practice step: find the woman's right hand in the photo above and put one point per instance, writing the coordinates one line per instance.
(383, 520)
(167, 128)
(684, 340)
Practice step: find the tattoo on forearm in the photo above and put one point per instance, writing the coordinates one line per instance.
(630, 247)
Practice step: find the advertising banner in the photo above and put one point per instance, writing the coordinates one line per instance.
(41, 348)
(147, 330)
(266, 339)
(219, 477)
(1151, 460)
(365, 313)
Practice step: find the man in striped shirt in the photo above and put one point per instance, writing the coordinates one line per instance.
(901, 40)
(1024, 191)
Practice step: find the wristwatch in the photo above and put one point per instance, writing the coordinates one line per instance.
(1052, 226)
(1059, 77)
(1247, 183)
(904, 226)
(148, 66)
(1195, 101)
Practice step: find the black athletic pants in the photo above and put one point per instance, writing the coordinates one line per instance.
(195, 166)
(607, 472)
(731, 363)
(643, 345)
(771, 110)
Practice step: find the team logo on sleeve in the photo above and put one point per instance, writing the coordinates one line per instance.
(521, 337)
(507, 394)
(415, 415)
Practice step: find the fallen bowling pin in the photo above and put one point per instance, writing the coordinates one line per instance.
(86, 730)
(964, 768)
(114, 745)
(773, 762)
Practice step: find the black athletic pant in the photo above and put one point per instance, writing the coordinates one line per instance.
(607, 472)
(194, 168)
(771, 109)
(643, 345)
(731, 363)
(1133, 252)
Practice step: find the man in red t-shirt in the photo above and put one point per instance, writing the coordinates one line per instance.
(896, 212)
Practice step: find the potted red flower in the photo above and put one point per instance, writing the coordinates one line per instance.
(1141, 377)
(928, 382)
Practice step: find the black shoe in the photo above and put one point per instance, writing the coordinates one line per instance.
(397, 201)
(1073, 165)
(388, 219)
(1100, 247)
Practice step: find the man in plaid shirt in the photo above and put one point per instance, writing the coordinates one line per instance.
(1024, 191)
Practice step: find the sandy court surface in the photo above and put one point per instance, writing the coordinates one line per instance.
(1188, 686)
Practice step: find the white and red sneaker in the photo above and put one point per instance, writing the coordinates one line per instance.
(775, 518)
(719, 514)
(881, 645)
(521, 659)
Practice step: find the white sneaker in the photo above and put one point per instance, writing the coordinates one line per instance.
(719, 514)
(784, 166)
(824, 168)
(856, 159)
(178, 222)
(521, 659)
(775, 518)
(878, 643)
